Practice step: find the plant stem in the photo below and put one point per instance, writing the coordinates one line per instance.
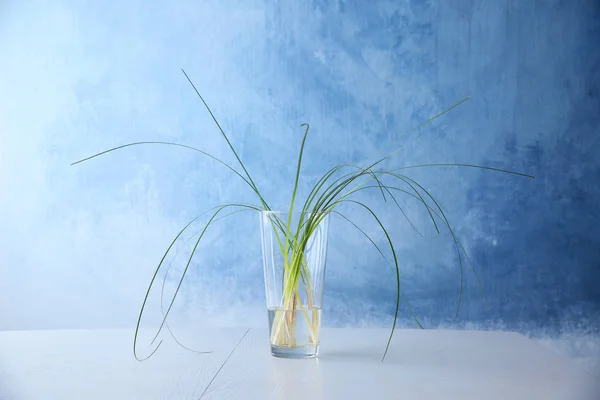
(285, 323)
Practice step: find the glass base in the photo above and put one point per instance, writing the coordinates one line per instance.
(295, 352)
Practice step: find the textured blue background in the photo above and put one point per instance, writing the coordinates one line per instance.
(78, 244)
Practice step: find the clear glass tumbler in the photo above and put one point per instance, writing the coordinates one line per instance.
(294, 249)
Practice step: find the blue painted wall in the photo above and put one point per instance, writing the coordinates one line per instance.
(78, 244)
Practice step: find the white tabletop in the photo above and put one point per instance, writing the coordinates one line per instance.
(98, 364)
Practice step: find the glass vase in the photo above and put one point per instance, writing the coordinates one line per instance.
(294, 248)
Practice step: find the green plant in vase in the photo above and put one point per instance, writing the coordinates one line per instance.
(295, 241)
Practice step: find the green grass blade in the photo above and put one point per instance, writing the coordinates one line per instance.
(401, 177)
(419, 195)
(456, 242)
(164, 144)
(333, 190)
(430, 120)
(458, 245)
(139, 320)
(162, 289)
(455, 237)
(461, 278)
(384, 258)
(176, 145)
(401, 210)
(467, 166)
(387, 189)
(391, 244)
(364, 234)
(327, 201)
(296, 180)
(214, 215)
(412, 313)
(226, 138)
(343, 181)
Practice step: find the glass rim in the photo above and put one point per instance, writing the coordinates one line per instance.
(278, 212)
